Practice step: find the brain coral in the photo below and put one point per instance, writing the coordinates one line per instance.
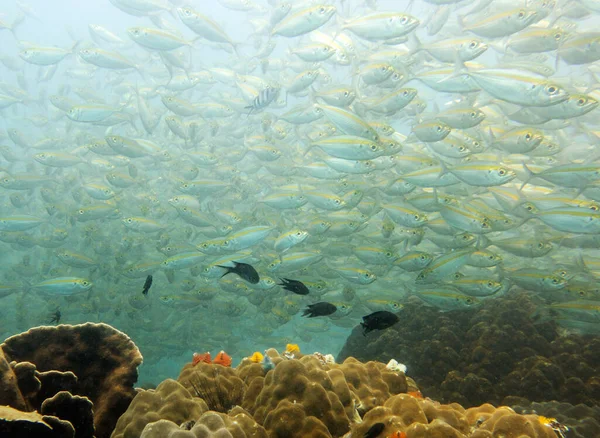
(483, 355)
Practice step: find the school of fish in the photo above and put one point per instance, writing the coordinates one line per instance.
(342, 157)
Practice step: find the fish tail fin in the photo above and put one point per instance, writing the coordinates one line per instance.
(17, 22)
(530, 175)
(228, 270)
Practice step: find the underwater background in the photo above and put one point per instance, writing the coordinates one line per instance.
(383, 180)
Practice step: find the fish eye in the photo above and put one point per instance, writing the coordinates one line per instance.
(551, 89)
(388, 254)
(580, 102)
(405, 93)
(469, 301)
(557, 36)
(521, 14)
(81, 212)
(473, 114)
(555, 280)
(490, 284)
(373, 147)
(423, 258)
(187, 12)
(528, 136)
(337, 202)
(501, 172)
(581, 293)
(417, 217)
(129, 220)
(404, 20)
(299, 233)
(322, 10)
(346, 94)
(473, 44)
(439, 128)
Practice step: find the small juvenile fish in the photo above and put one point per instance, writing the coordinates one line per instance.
(319, 309)
(147, 285)
(294, 286)
(379, 320)
(243, 270)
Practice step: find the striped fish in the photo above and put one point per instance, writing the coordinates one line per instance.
(264, 99)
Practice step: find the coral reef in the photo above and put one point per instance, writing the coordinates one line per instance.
(291, 395)
(483, 355)
(94, 361)
(310, 397)
(583, 421)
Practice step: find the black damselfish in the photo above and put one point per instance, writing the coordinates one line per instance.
(374, 430)
(378, 321)
(294, 286)
(147, 285)
(319, 309)
(244, 270)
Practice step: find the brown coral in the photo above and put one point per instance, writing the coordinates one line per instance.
(104, 360)
(302, 391)
(485, 354)
(424, 418)
(218, 386)
(170, 401)
(19, 424)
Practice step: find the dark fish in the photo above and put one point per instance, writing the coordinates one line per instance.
(319, 309)
(375, 430)
(378, 321)
(147, 285)
(264, 99)
(244, 270)
(55, 316)
(294, 286)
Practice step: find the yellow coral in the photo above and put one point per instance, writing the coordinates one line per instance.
(257, 357)
(292, 348)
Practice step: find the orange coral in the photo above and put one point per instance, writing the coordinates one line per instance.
(223, 359)
(398, 434)
(201, 357)
(416, 394)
